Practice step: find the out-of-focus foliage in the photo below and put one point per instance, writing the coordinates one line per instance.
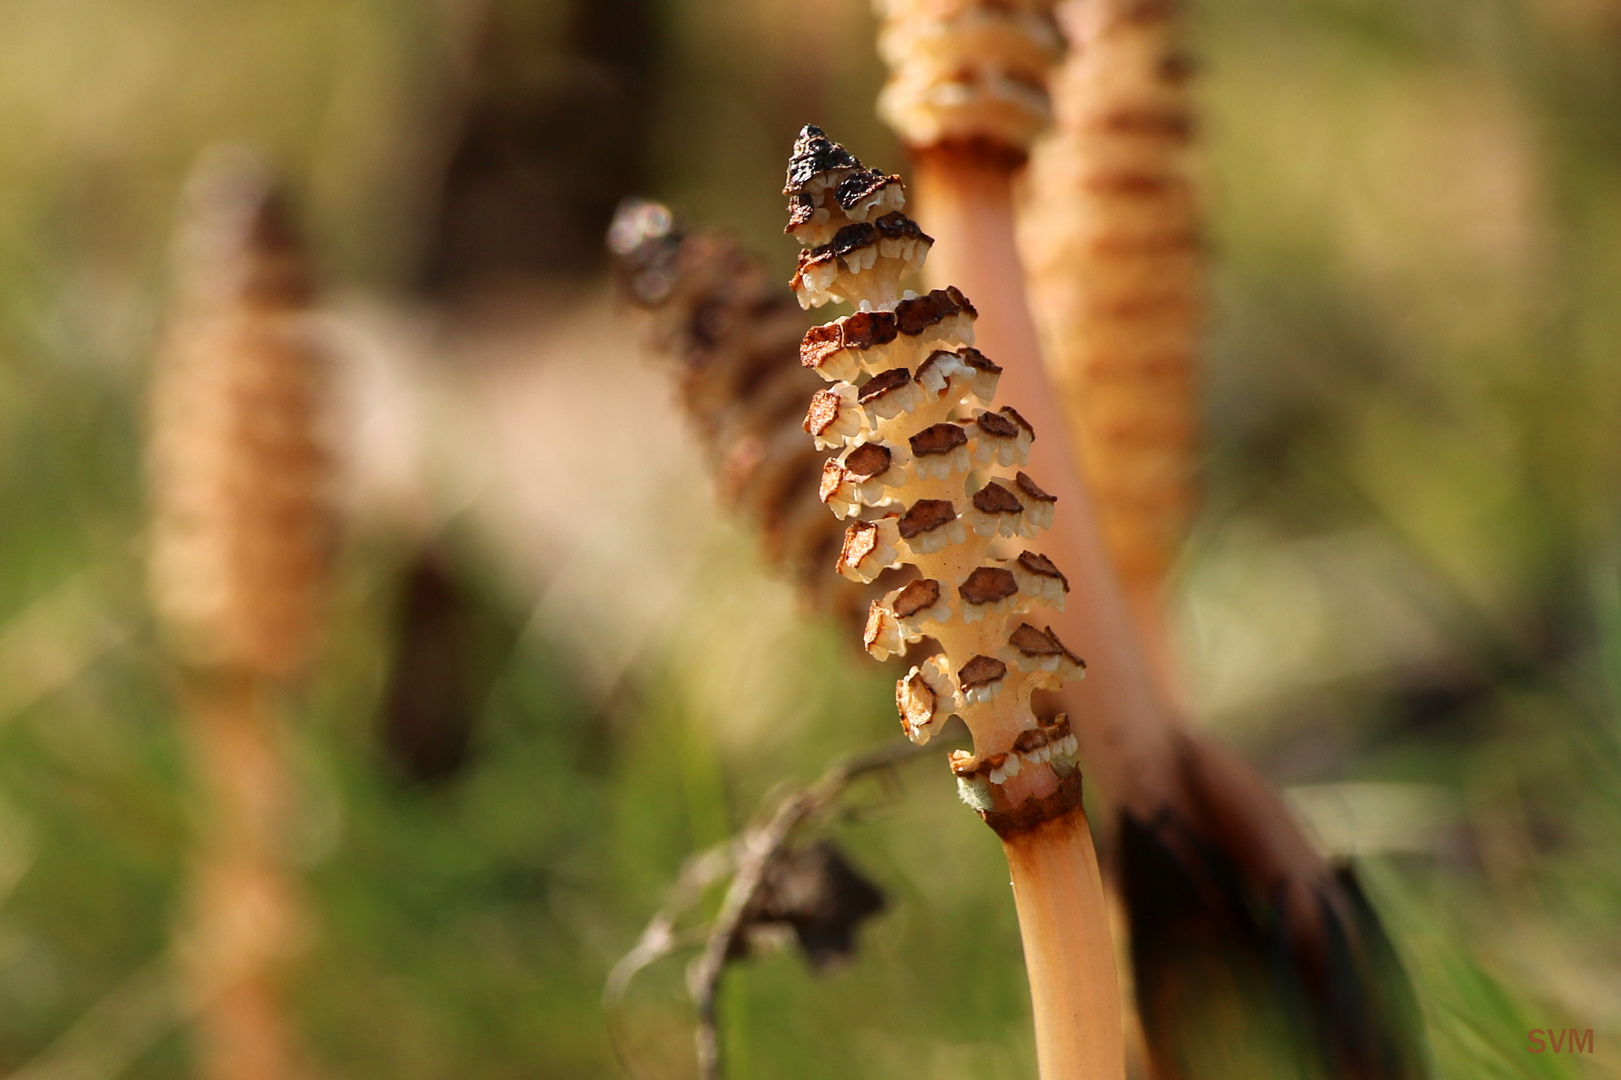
(1403, 598)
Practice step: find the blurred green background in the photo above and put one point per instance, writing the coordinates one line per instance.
(1402, 599)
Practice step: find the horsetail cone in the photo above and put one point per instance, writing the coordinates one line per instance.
(1116, 266)
(730, 336)
(241, 526)
(241, 532)
(968, 72)
(929, 473)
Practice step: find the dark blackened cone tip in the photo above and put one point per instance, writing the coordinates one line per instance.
(241, 236)
(814, 153)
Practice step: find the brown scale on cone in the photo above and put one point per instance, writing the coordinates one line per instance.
(950, 489)
(968, 73)
(242, 529)
(993, 498)
(1112, 242)
(732, 337)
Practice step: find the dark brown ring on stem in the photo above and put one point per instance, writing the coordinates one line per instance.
(1033, 812)
(978, 153)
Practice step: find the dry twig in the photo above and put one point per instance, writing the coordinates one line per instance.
(750, 859)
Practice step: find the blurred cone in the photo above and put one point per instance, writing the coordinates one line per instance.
(1111, 238)
(734, 335)
(241, 527)
(241, 535)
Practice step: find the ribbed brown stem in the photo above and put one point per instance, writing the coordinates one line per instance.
(967, 204)
(245, 925)
(1068, 951)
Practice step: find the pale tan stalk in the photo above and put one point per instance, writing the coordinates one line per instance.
(1068, 952)
(241, 536)
(246, 912)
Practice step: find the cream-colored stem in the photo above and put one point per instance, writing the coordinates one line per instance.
(1068, 951)
(244, 912)
(1117, 715)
